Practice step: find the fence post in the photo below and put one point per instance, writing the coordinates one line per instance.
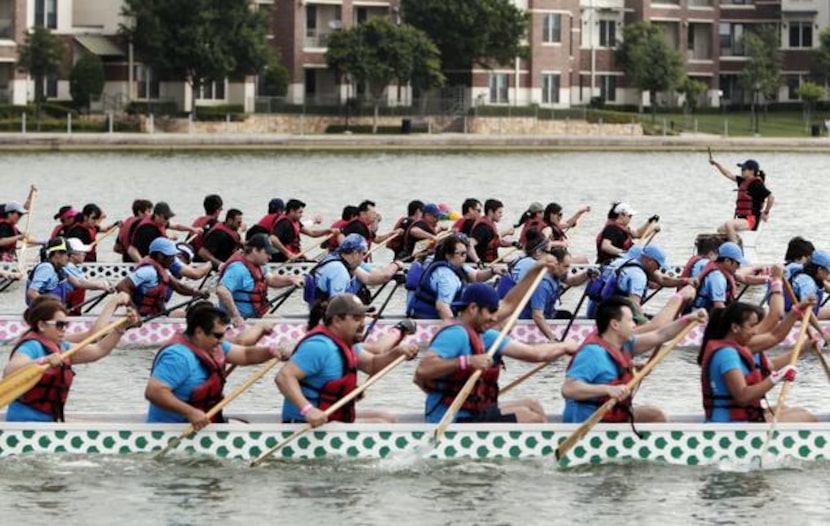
(109, 119)
(695, 126)
(151, 124)
(68, 122)
(599, 122)
(664, 126)
(190, 122)
(726, 127)
(23, 122)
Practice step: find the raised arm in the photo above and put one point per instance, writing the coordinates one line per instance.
(726, 173)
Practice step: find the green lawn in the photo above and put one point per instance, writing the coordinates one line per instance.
(739, 124)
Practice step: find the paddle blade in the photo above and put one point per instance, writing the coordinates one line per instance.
(19, 383)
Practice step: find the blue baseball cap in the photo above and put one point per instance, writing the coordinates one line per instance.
(821, 258)
(163, 246)
(656, 253)
(481, 294)
(432, 209)
(732, 251)
(276, 204)
(353, 243)
(750, 164)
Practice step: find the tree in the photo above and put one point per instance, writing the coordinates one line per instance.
(86, 80)
(821, 56)
(810, 93)
(379, 52)
(276, 79)
(761, 74)
(41, 56)
(198, 40)
(692, 90)
(650, 62)
(470, 33)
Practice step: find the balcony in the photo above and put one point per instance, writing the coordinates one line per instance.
(316, 39)
(800, 6)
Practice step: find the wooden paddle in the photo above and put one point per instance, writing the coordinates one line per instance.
(21, 253)
(785, 389)
(509, 387)
(462, 396)
(589, 424)
(190, 431)
(814, 320)
(21, 381)
(104, 236)
(501, 258)
(337, 405)
(380, 245)
(424, 245)
(648, 235)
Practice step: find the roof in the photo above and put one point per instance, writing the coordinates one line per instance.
(99, 45)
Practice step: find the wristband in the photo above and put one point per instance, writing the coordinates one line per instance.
(797, 310)
(686, 319)
(775, 282)
(462, 363)
(42, 361)
(306, 408)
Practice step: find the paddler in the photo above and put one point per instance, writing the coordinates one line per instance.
(66, 218)
(603, 364)
(76, 278)
(222, 240)
(287, 230)
(141, 208)
(86, 228)
(152, 228)
(754, 200)
(471, 210)
(188, 373)
(414, 211)
(365, 223)
(617, 236)
(485, 237)
(459, 349)
(425, 228)
(323, 368)
(45, 339)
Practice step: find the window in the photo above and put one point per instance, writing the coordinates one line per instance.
(212, 90)
(731, 39)
(550, 89)
(311, 21)
(148, 82)
(801, 34)
(361, 15)
(50, 87)
(607, 33)
(552, 28)
(498, 88)
(310, 82)
(607, 87)
(46, 13)
(792, 88)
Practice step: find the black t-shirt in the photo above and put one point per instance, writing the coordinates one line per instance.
(220, 244)
(483, 235)
(7, 230)
(284, 230)
(143, 236)
(617, 236)
(758, 191)
(357, 227)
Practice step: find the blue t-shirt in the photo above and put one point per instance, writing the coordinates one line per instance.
(543, 298)
(804, 287)
(44, 280)
(239, 282)
(632, 281)
(334, 278)
(446, 284)
(713, 288)
(145, 279)
(19, 412)
(72, 270)
(697, 268)
(521, 268)
(591, 365)
(180, 370)
(450, 343)
(320, 359)
(723, 361)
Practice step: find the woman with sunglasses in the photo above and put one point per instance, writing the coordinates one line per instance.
(43, 343)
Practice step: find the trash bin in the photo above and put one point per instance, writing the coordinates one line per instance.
(406, 126)
(815, 130)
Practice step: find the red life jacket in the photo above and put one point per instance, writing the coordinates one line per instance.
(332, 243)
(622, 411)
(333, 390)
(208, 393)
(485, 392)
(365, 229)
(50, 393)
(743, 204)
(627, 243)
(225, 229)
(152, 301)
(204, 225)
(125, 233)
(737, 413)
(293, 244)
(489, 252)
(89, 233)
(74, 298)
(268, 221)
(532, 224)
(7, 252)
(58, 231)
(397, 244)
(258, 297)
(147, 221)
(687, 270)
(409, 241)
(557, 234)
(730, 280)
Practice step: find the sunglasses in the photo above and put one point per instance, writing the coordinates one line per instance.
(460, 253)
(60, 325)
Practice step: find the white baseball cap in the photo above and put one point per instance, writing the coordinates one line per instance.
(76, 246)
(624, 208)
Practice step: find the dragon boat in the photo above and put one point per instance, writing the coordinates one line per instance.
(686, 440)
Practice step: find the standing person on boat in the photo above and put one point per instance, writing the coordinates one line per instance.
(49, 276)
(287, 230)
(425, 228)
(86, 228)
(344, 271)
(244, 281)
(603, 364)
(142, 208)
(151, 284)
(42, 344)
(213, 206)
(78, 283)
(459, 349)
(222, 240)
(66, 218)
(188, 373)
(734, 379)
(754, 200)
(413, 210)
(323, 368)
(440, 282)
(617, 236)
(471, 210)
(485, 236)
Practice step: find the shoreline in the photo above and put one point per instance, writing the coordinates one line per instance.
(445, 143)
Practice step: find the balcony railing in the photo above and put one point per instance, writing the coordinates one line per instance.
(316, 39)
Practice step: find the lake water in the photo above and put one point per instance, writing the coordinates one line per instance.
(682, 188)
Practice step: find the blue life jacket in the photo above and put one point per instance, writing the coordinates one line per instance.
(312, 291)
(422, 304)
(61, 290)
(507, 281)
(606, 284)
